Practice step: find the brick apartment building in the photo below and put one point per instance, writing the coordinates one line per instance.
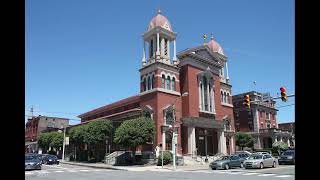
(203, 118)
(37, 124)
(260, 120)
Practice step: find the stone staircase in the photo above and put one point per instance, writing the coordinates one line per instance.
(111, 159)
(200, 160)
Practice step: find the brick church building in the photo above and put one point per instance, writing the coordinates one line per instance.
(188, 92)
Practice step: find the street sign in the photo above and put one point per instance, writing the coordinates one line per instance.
(67, 141)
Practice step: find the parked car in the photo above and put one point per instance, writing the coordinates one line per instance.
(262, 153)
(32, 162)
(260, 161)
(287, 157)
(226, 162)
(243, 152)
(50, 159)
(243, 155)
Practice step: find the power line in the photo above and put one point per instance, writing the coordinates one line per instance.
(55, 112)
(67, 118)
(286, 105)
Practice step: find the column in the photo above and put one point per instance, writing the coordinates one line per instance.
(288, 141)
(227, 70)
(191, 140)
(275, 139)
(208, 96)
(154, 49)
(144, 54)
(164, 140)
(200, 98)
(162, 47)
(168, 49)
(158, 44)
(174, 51)
(221, 142)
(212, 100)
(281, 139)
(232, 150)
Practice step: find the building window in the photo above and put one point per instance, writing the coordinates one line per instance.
(151, 49)
(221, 96)
(149, 83)
(168, 83)
(224, 97)
(250, 126)
(144, 84)
(153, 82)
(169, 116)
(173, 84)
(268, 125)
(268, 116)
(163, 79)
(165, 47)
(205, 94)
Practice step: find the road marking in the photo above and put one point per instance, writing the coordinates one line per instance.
(43, 172)
(97, 170)
(249, 174)
(236, 172)
(284, 176)
(28, 173)
(220, 172)
(84, 170)
(58, 171)
(266, 174)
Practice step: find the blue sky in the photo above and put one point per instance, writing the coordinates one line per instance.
(84, 54)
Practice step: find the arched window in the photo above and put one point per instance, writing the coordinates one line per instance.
(221, 96)
(163, 79)
(169, 116)
(149, 83)
(228, 98)
(144, 84)
(168, 83)
(152, 81)
(151, 49)
(224, 97)
(165, 47)
(173, 84)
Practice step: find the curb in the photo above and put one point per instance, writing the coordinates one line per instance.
(92, 166)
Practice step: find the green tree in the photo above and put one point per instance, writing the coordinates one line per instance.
(56, 140)
(244, 140)
(44, 141)
(135, 132)
(279, 147)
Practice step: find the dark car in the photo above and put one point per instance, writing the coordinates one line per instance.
(243, 156)
(287, 157)
(50, 159)
(226, 162)
(32, 162)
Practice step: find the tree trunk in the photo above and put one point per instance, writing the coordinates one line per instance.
(134, 155)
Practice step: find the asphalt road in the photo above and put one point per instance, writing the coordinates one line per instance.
(84, 173)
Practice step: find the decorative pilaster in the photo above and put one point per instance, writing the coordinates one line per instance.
(144, 54)
(174, 53)
(158, 47)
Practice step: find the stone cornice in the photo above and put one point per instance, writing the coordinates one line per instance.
(159, 65)
(160, 90)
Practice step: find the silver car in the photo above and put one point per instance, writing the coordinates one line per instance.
(260, 161)
(32, 162)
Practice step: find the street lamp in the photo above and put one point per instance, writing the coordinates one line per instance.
(64, 141)
(174, 135)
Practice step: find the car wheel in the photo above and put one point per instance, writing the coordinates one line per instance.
(226, 167)
(274, 164)
(261, 165)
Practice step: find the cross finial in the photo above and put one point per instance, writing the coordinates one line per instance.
(211, 36)
(204, 38)
(159, 11)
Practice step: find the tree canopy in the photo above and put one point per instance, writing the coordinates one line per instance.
(135, 132)
(244, 140)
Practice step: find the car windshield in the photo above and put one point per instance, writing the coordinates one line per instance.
(255, 157)
(30, 157)
(224, 158)
(52, 157)
(288, 153)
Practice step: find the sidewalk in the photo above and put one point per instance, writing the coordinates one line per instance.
(166, 168)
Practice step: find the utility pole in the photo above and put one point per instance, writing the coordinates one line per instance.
(64, 142)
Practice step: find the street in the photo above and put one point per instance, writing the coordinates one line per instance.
(71, 172)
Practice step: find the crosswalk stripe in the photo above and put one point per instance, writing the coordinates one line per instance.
(43, 172)
(284, 176)
(84, 170)
(58, 171)
(236, 172)
(249, 174)
(220, 172)
(266, 174)
(28, 173)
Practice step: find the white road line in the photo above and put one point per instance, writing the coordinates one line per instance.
(249, 174)
(220, 172)
(72, 171)
(266, 174)
(84, 170)
(97, 170)
(43, 172)
(236, 172)
(58, 171)
(284, 176)
(28, 173)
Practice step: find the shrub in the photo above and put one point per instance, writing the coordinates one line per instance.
(167, 158)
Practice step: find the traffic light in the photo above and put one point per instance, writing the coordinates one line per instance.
(247, 101)
(284, 97)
